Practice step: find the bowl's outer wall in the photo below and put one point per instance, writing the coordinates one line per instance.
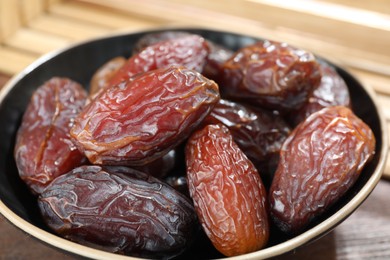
(81, 62)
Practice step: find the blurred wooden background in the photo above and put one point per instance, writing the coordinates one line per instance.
(352, 33)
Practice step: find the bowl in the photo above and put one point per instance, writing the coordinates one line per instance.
(79, 62)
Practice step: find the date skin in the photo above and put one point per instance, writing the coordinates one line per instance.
(154, 38)
(43, 148)
(214, 61)
(188, 51)
(270, 74)
(136, 122)
(119, 210)
(332, 91)
(228, 194)
(259, 133)
(321, 159)
(103, 75)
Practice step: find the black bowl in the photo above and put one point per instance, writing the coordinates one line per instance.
(79, 62)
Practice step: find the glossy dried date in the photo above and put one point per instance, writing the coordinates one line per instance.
(319, 162)
(154, 38)
(259, 133)
(214, 61)
(332, 91)
(227, 191)
(188, 51)
(119, 210)
(103, 75)
(43, 148)
(270, 74)
(139, 121)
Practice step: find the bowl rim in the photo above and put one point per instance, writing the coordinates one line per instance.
(302, 239)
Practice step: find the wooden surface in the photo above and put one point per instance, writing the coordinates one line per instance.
(353, 34)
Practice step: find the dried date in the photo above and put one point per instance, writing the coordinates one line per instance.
(154, 38)
(259, 133)
(43, 148)
(103, 75)
(270, 74)
(214, 61)
(332, 91)
(319, 162)
(119, 210)
(228, 194)
(139, 121)
(188, 51)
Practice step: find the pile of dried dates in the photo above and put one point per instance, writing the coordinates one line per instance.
(186, 136)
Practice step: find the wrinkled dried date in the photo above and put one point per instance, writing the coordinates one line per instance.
(119, 210)
(227, 191)
(332, 91)
(319, 162)
(43, 148)
(214, 61)
(139, 121)
(188, 51)
(270, 74)
(154, 38)
(259, 133)
(103, 75)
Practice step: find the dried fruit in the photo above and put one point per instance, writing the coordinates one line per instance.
(188, 51)
(319, 162)
(43, 148)
(214, 61)
(332, 91)
(103, 75)
(119, 210)
(270, 74)
(153, 38)
(227, 191)
(259, 133)
(139, 121)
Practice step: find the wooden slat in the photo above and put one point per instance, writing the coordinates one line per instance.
(66, 28)
(36, 42)
(30, 9)
(101, 16)
(10, 20)
(12, 61)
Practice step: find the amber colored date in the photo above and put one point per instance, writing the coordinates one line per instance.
(319, 162)
(103, 75)
(270, 74)
(228, 194)
(259, 133)
(43, 148)
(154, 38)
(188, 51)
(332, 91)
(140, 121)
(119, 210)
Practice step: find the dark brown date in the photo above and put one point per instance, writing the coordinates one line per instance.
(160, 167)
(228, 194)
(154, 38)
(43, 148)
(214, 61)
(103, 75)
(218, 55)
(119, 210)
(270, 74)
(139, 121)
(319, 162)
(259, 134)
(188, 51)
(332, 91)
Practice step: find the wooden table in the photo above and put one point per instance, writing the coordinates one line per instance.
(353, 34)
